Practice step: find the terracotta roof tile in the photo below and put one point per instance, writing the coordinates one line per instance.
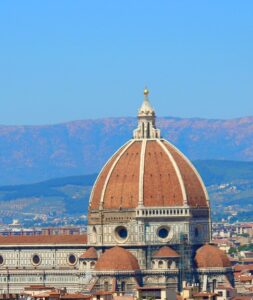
(161, 182)
(43, 239)
(194, 191)
(99, 184)
(166, 252)
(117, 259)
(239, 268)
(91, 253)
(123, 186)
(209, 256)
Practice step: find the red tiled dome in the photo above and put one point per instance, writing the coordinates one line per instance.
(152, 171)
(91, 253)
(166, 252)
(117, 259)
(209, 256)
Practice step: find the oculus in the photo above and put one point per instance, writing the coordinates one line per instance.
(72, 259)
(121, 233)
(163, 232)
(36, 260)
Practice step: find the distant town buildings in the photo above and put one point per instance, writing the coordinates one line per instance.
(19, 231)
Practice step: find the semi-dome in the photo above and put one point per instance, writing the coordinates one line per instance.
(117, 259)
(210, 256)
(165, 252)
(148, 171)
(91, 253)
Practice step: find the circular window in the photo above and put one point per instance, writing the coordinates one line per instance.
(121, 233)
(1, 260)
(36, 259)
(163, 232)
(72, 259)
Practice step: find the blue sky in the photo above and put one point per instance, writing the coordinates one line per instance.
(67, 60)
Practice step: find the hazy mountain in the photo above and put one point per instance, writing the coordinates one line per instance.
(35, 153)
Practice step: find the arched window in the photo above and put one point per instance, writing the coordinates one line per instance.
(106, 286)
(148, 130)
(160, 264)
(142, 130)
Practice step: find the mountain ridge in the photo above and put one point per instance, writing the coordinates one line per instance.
(33, 153)
(245, 118)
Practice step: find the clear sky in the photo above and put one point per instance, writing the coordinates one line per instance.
(67, 60)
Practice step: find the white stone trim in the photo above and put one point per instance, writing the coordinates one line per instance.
(179, 175)
(161, 212)
(110, 172)
(193, 168)
(141, 172)
(94, 185)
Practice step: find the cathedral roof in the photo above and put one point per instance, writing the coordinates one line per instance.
(209, 256)
(117, 259)
(91, 253)
(44, 239)
(151, 172)
(166, 252)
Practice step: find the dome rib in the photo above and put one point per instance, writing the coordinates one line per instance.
(128, 144)
(161, 184)
(95, 196)
(191, 168)
(148, 173)
(179, 175)
(122, 190)
(141, 174)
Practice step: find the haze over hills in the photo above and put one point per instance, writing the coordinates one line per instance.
(35, 153)
(229, 183)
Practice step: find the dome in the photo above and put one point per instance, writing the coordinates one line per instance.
(209, 256)
(151, 172)
(117, 259)
(165, 252)
(148, 171)
(91, 253)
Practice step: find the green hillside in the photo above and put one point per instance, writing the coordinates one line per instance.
(220, 171)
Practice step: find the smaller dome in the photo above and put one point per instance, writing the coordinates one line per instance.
(209, 256)
(91, 253)
(117, 259)
(166, 252)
